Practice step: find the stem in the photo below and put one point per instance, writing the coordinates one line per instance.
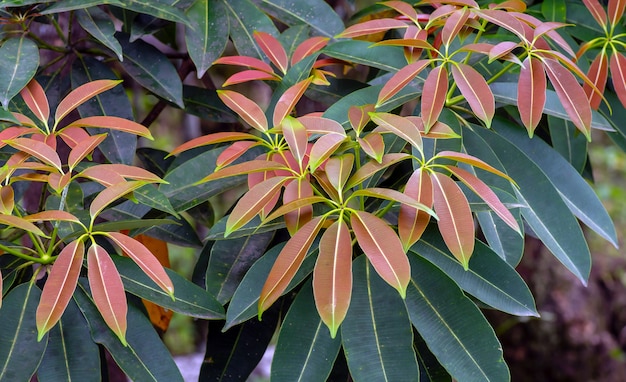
(19, 254)
(57, 27)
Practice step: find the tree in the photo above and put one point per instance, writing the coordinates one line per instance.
(390, 178)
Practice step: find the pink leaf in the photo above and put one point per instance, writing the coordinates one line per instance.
(273, 49)
(531, 93)
(597, 11)
(401, 126)
(247, 109)
(308, 47)
(598, 73)
(476, 92)
(323, 148)
(250, 62)
(288, 100)
(83, 149)
(37, 149)
(35, 97)
(618, 75)
(399, 80)
(412, 222)
(453, 25)
(250, 75)
(359, 116)
(616, 10)
(371, 27)
(434, 96)
(212, 139)
(373, 145)
(111, 194)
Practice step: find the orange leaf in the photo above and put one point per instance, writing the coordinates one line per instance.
(371, 27)
(359, 116)
(35, 97)
(453, 25)
(295, 190)
(73, 135)
(323, 148)
(598, 73)
(618, 75)
(308, 47)
(401, 126)
(59, 287)
(84, 148)
(456, 223)
(332, 276)
(39, 150)
(273, 49)
(247, 109)
(244, 168)
(373, 145)
(113, 123)
(250, 75)
(287, 263)
(400, 79)
(107, 290)
(252, 202)
(412, 221)
(234, 152)
(531, 93)
(250, 62)
(80, 95)
(145, 259)
(7, 199)
(111, 194)
(476, 92)
(383, 249)
(211, 139)
(288, 100)
(616, 10)
(434, 96)
(296, 137)
(471, 160)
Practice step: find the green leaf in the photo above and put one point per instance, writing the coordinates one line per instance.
(118, 147)
(554, 10)
(254, 226)
(70, 355)
(190, 299)
(508, 244)
(8, 117)
(207, 37)
(573, 188)
(151, 69)
(547, 214)
(145, 358)
(19, 60)
(98, 24)
(205, 104)
(453, 327)
(72, 5)
(244, 19)
(20, 353)
(316, 13)
(230, 260)
(430, 368)
(152, 197)
(389, 58)
(19, 3)
(489, 278)
(376, 334)
(506, 93)
(569, 142)
(304, 350)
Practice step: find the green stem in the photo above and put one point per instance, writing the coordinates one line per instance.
(19, 254)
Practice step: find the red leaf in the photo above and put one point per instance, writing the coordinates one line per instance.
(234, 152)
(288, 100)
(113, 123)
(501, 49)
(571, 95)
(359, 116)
(504, 20)
(295, 190)
(476, 91)
(25, 121)
(250, 75)
(597, 11)
(212, 139)
(332, 276)
(39, 150)
(273, 49)
(440, 131)
(412, 221)
(598, 73)
(35, 97)
(318, 125)
(618, 75)
(392, 195)
(383, 249)
(531, 93)
(371, 27)
(111, 194)
(14, 132)
(460, 3)
(73, 135)
(250, 62)
(287, 263)
(58, 182)
(616, 10)
(373, 145)
(141, 255)
(308, 47)
(455, 218)
(434, 96)
(80, 95)
(323, 148)
(59, 287)
(247, 109)
(400, 79)
(401, 126)
(453, 25)
(83, 149)
(107, 290)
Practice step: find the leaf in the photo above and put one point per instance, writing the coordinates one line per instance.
(372, 167)
(205, 104)
(211, 139)
(531, 93)
(304, 349)
(207, 35)
(244, 19)
(401, 126)
(509, 245)
(190, 299)
(23, 224)
(7, 116)
(308, 47)
(476, 91)
(81, 95)
(287, 263)
(70, 353)
(389, 58)
(295, 134)
(110, 195)
(18, 336)
(19, 60)
(145, 357)
(370, 27)
(35, 97)
(322, 19)
(616, 10)
(454, 329)
(332, 276)
(39, 150)
(598, 73)
(455, 218)
(453, 25)
(376, 335)
(394, 196)
(434, 96)
(617, 64)
(297, 190)
(83, 149)
(338, 169)
(383, 249)
(597, 11)
(400, 79)
(250, 62)
(288, 100)
(272, 49)
(59, 286)
(151, 69)
(373, 145)
(247, 109)
(323, 148)
(98, 24)
(413, 221)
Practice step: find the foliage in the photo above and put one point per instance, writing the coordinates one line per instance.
(392, 174)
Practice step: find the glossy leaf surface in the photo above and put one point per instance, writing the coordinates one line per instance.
(19, 58)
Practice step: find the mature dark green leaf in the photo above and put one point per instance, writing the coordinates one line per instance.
(152, 197)
(547, 215)
(377, 336)
(508, 244)
(199, 270)
(205, 104)
(145, 358)
(569, 142)
(70, 355)
(389, 58)
(190, 299)
(252, 227)
(230, 260)
(19, 60)
(554, 10)
(98, 24)
(316, 13)
(154, 160)
(19, 3)
(489, 278)
(293, 36)
(115, 226)
(453, 327)
(304, 350)
(72, 5)
(144, 24)
(20, 352)
(207, 37)
(7, 116)
(616, 116)
(573, 188)
(118, 147)
(430, 368)
(433, 146)
(151, 69)
(244, 19)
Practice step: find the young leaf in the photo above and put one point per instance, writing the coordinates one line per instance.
(296, 136)
(453, 25)
(383, 249)
(308, 47)
(373, 145)
(332, 276)
(17, 222)
(113, 123)
(7, 200)
(273, 49)
(372, 167)
(35, 97)
(393, 196)
(52, 215)
(211, 139)
(250, 75)
(413, 221)
(616, 10)
(323, 148)
(434, 96)
(84, 148)
(39, 150)
(338, 169)
(400, 126)
(598, 73)
(618, 75)
(287, 263)
(597, 11)
(247, 109)
(471, 160)
(476, 91)
(372, 27)
(288, 100)
(400, 79)
(531, 93)
(107, 290)
(59, 286)
(455, 218)
(80, 95)
(298, 189)
(249, 167)
(111, 194)
(123, 170)
(234, 152)
(250, 62)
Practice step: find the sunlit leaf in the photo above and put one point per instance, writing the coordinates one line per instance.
(296, 136)
(272, 49)
(250, 75)
(35, 97)
(17, 222)
(413, 221)
(82, 94)
(113, 123)
(247, 109)
(323, 148)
